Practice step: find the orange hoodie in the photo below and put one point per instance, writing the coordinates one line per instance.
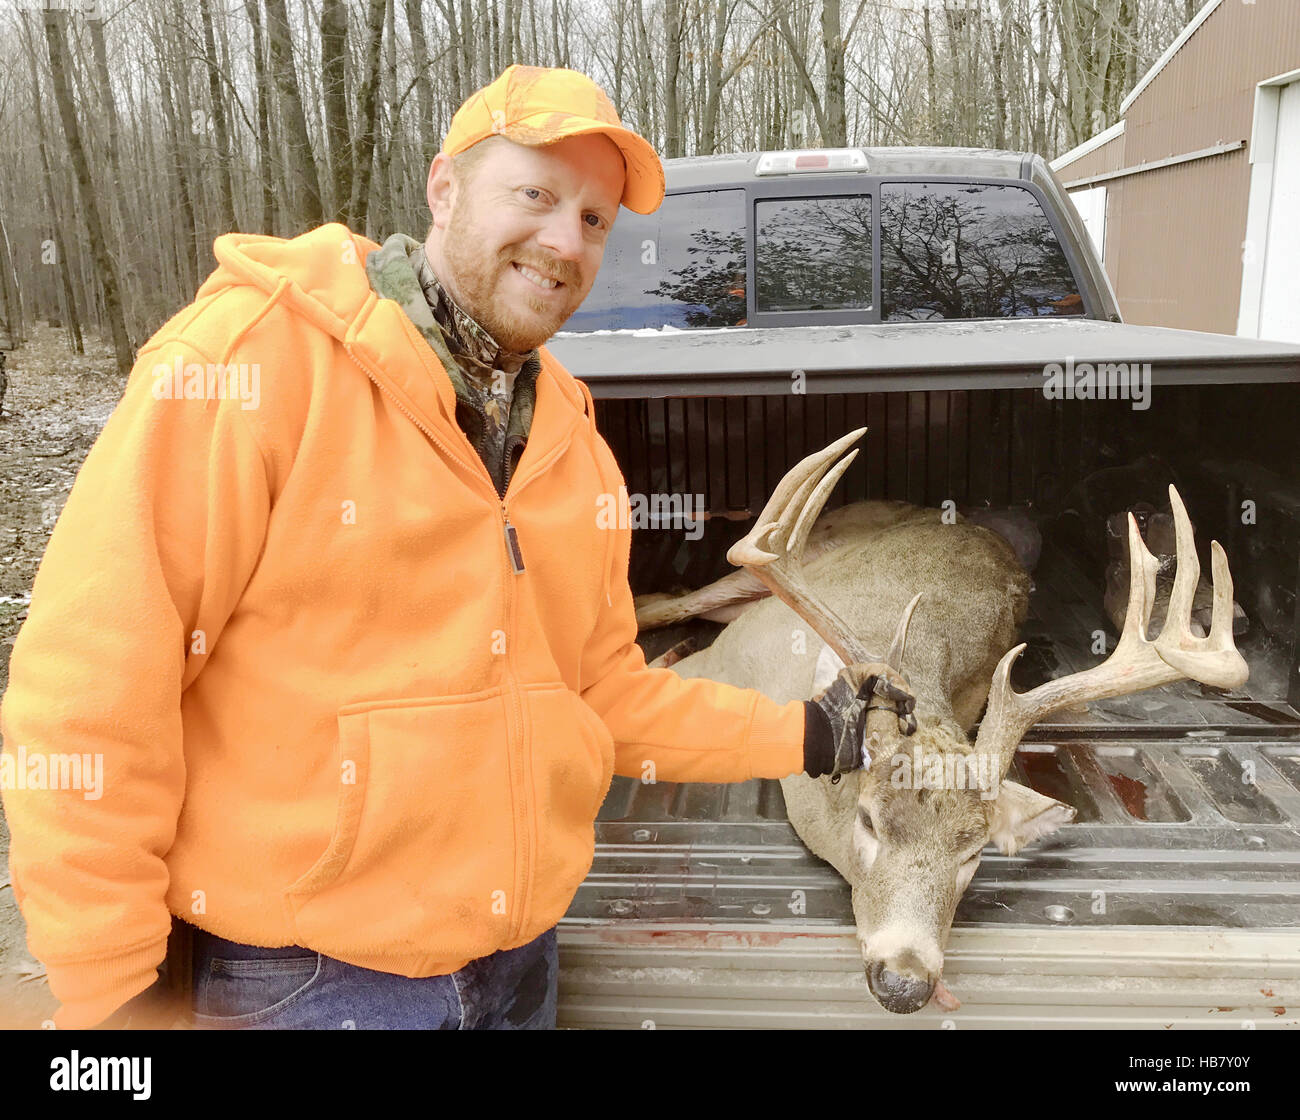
(326, 705)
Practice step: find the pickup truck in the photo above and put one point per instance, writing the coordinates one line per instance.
(926, 293)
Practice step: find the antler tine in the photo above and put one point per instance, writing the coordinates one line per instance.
(1214, 659)
(1142, 571)
(897, 647)
(773, 548)
(1136, 663)
(790, 500)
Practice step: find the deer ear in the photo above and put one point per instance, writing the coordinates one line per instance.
(1021, 815)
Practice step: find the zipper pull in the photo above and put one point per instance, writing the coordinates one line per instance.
(512, 547)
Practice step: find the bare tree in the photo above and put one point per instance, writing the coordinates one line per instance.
(672, 66)
(364, 149)
(268, 223)
(297, 140)
(333, 74)
(58, 50)
(226, 192)
(68, 299)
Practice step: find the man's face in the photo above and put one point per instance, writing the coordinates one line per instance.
(548, 209)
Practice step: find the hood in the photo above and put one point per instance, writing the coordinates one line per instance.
(321, 276)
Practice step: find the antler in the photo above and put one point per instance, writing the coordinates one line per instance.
(773, 549)
(1136, 663)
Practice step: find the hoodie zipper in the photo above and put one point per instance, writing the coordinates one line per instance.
(514, 566)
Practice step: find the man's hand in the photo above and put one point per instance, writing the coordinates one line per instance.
(835, 730)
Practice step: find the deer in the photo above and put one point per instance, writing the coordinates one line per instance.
(945, 600)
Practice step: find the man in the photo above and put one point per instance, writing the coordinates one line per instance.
(351, 650)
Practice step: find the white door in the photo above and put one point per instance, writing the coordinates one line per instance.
(1279, 311)
(1091, 205)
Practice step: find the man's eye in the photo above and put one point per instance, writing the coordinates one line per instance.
(599, 221)
(535, 191)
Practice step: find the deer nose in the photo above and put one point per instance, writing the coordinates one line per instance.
(898, 993)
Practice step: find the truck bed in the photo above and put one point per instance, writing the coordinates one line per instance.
(1172, 900)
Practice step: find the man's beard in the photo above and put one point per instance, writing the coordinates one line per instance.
(478, 274)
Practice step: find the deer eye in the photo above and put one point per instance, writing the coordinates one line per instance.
(864, 821)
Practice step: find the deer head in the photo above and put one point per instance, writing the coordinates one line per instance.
(927, 804)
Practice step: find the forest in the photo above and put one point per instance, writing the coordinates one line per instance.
(134, 132)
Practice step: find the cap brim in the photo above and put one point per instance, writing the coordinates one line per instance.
(644, 188)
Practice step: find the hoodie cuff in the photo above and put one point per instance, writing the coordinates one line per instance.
(90, 991)
(818, 741)
(776, 738)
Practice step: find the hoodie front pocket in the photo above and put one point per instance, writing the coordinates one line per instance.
(571, 759)
(422, 857)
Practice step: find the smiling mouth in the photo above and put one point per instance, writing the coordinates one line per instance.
(539, 280)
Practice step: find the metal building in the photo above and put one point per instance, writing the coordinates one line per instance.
(1193, 196)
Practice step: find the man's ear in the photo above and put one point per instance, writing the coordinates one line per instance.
(1020, 816)
(438, 190)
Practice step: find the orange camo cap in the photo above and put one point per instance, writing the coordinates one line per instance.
(536, 105)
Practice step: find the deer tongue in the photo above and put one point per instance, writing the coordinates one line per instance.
(943, 999)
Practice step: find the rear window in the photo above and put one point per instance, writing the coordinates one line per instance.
(682, 266)
(970, 251)
(813, 254)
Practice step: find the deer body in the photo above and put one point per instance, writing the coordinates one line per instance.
(908, 829)
(975, 596)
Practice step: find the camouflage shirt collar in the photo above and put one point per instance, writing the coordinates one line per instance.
(476, 350)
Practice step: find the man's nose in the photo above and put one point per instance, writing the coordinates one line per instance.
(562, 234)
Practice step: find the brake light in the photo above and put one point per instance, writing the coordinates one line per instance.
(815, 159)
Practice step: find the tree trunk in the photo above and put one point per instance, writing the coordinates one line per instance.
(455, 53)
(107, 271)
(800, 59)
(835, 133)
(185, 195)
(297, 140)
(998, 32)
(68, 300)
(226, 190)
(672, 66)
(1044, 54)
(333, 76)
(423, 85)
(9, 289)
(364, 149)
(267, 224)
(645, 74)
(932, 86)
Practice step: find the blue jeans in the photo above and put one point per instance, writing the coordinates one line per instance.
(243, 987)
